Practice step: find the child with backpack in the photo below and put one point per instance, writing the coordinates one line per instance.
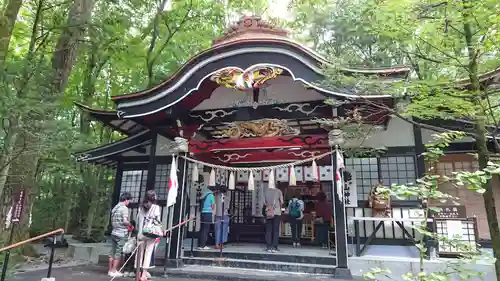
(296, 214)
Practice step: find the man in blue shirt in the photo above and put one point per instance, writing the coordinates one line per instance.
(207, 216)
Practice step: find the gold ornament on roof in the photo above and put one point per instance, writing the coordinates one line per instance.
(253, 77)
(257, 128)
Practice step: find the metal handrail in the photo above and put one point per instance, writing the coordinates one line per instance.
(15, 245)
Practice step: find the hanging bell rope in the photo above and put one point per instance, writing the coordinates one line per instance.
(254, 169)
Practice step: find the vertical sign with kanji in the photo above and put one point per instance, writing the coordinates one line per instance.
(17, 211)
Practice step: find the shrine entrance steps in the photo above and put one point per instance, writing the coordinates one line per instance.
(308, 259)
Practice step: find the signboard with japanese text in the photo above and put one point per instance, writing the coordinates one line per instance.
(450, 212)
(17, 211)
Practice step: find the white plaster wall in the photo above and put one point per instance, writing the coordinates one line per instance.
(282, 89)
(398, 133)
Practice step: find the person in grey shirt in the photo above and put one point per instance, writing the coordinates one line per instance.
(121, 226)
(272, 212)
(222, 204)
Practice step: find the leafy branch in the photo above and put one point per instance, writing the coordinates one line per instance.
(427, 190)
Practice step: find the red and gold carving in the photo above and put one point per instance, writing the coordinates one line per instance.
(254, 77)
(257, 129)
(305, 142)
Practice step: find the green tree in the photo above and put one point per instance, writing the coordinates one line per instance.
(53, 53)
(444, 42)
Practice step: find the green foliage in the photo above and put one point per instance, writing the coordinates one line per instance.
(127, 46)
(426, 189)
(340, 30)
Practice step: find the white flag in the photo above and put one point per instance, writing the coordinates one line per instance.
(338, 175)
(173, 184)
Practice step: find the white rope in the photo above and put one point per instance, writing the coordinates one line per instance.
(241, 169)
(130, 257)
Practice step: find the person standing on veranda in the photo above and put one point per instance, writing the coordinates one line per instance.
(324, 215)
(295, 217)
(121, 226)
(149, 212)
(207, 216)
(221, 217)
(272, 206)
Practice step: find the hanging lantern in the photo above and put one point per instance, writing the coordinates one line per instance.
(271, 183)
(195, 174)
(211, 181)
(251, 184)
(232, 181)
(293, 179)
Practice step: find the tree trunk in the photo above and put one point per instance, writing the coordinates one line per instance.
(6, 157)
(63, 60)
(93, 203)
(481, 132)
(66, 48)
(7, 21)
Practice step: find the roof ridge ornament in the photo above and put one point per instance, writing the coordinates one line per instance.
(251, 27)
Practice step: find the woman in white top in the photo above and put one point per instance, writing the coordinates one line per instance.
(148, 212)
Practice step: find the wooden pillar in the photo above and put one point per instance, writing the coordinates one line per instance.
(342, 270)
(173, 253)
(420, 172)
(419, 149)
(150, 180)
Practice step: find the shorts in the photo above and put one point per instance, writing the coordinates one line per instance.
(117, 244)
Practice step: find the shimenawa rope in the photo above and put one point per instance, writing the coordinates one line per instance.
(242, 169)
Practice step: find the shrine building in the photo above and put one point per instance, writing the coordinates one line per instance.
(256, 99)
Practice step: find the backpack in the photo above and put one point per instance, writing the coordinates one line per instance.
(201, 203)
(295, 209)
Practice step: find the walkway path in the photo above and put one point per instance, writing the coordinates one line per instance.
(80, 273)
(98, 273)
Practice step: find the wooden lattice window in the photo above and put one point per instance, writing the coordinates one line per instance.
(454, 163)
(134, 182)
(161, 181)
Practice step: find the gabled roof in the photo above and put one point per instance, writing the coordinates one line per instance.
(248, 44)
(490, 78)
(111, 119)
(109, 154)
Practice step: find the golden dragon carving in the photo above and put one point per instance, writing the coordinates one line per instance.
(257, 128)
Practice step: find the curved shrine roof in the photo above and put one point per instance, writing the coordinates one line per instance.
(249, 44)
